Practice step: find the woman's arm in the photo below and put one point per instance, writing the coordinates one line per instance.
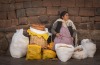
(74, 28)
(53, 28)
(74, 33)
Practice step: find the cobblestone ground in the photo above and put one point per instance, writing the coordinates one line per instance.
(8, 60)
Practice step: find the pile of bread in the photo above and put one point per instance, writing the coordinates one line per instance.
(38, 26)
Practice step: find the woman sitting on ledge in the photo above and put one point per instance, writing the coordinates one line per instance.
(63, 30)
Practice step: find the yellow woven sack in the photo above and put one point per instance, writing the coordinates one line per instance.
(33, 52)
(48, 54)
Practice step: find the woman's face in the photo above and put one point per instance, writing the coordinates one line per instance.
(65, 17)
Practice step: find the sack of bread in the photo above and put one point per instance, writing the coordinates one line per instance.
(38, 26)
(38, 40)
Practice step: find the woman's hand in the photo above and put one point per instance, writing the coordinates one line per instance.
(72, 38)
(57, 34)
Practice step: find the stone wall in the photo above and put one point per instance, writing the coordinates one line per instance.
(16, 14)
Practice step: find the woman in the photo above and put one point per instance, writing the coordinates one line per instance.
(63, 30)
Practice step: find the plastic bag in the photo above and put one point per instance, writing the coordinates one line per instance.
(18, 47)
(64, 51)
(33, 52)
(79, 53)
(48, 54)
(89, 46)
